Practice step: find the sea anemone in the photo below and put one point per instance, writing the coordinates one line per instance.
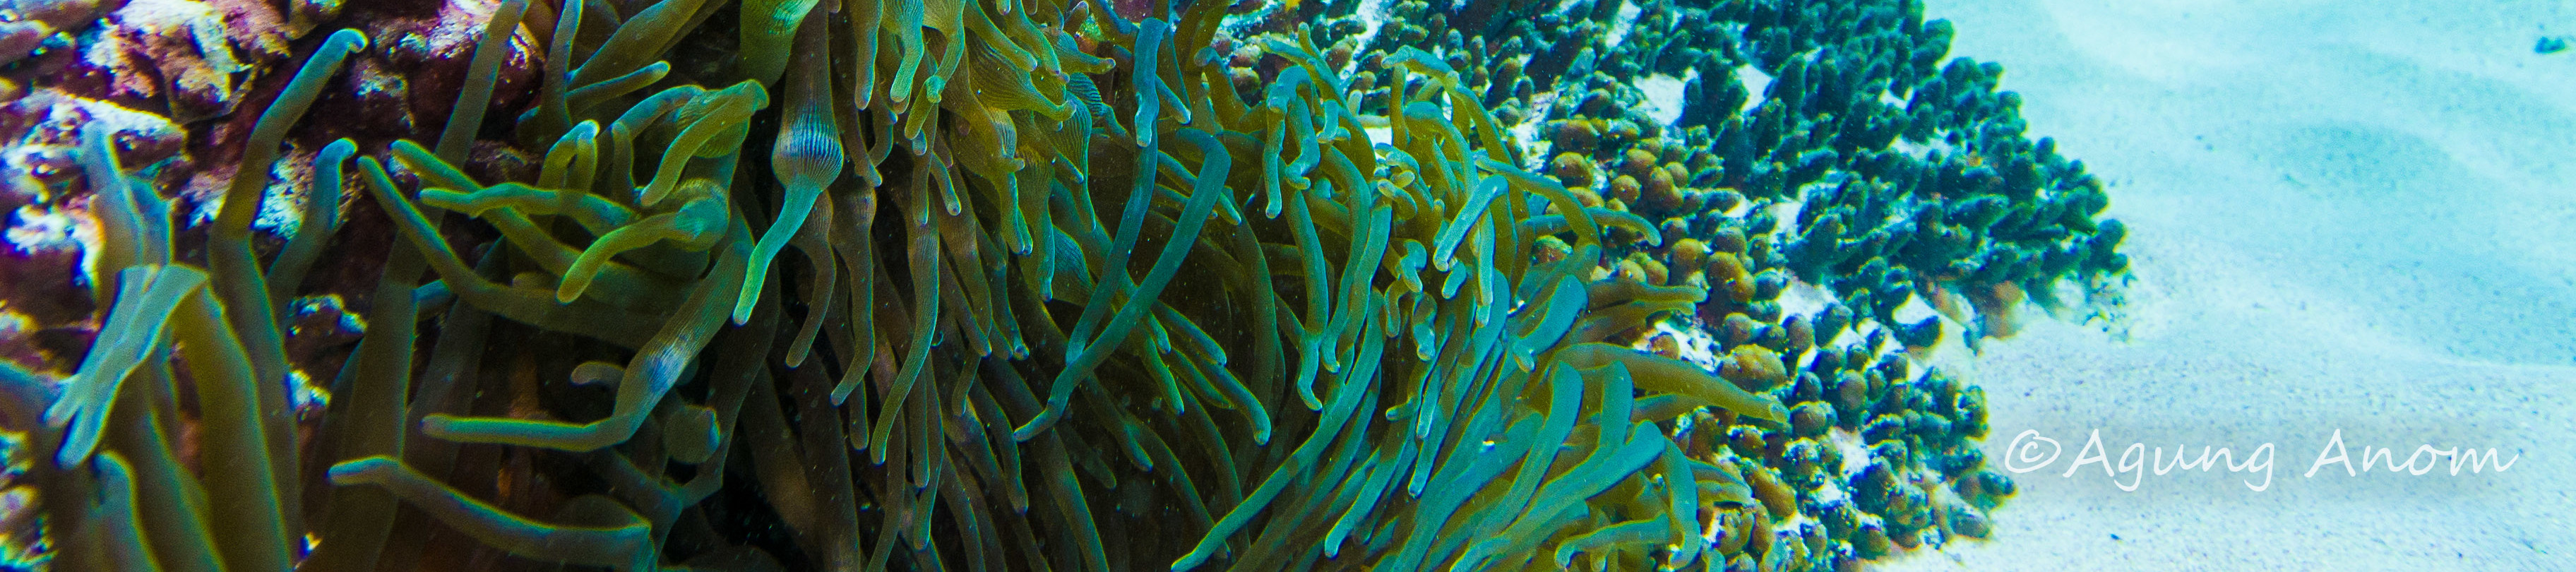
(1065, 293)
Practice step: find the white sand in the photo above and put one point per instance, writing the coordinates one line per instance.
(2344, 215)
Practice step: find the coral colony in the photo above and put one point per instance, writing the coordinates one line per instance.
(1022, 284)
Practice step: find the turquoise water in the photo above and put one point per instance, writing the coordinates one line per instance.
(2349, 216)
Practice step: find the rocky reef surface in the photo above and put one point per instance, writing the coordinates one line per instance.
(1467, 285)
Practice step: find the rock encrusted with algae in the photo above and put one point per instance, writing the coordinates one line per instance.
(1074, 285)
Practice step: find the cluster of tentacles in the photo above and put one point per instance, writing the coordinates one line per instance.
(1066, 300)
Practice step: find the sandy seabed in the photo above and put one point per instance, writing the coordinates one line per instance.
(2346, 217)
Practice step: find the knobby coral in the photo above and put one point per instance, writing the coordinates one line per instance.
(1073, 289)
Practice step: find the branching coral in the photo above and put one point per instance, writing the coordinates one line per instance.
(1074, 290)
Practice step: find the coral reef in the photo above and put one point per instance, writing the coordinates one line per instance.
(1104, 286)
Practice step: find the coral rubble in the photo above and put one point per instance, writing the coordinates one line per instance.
(1092, 285)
